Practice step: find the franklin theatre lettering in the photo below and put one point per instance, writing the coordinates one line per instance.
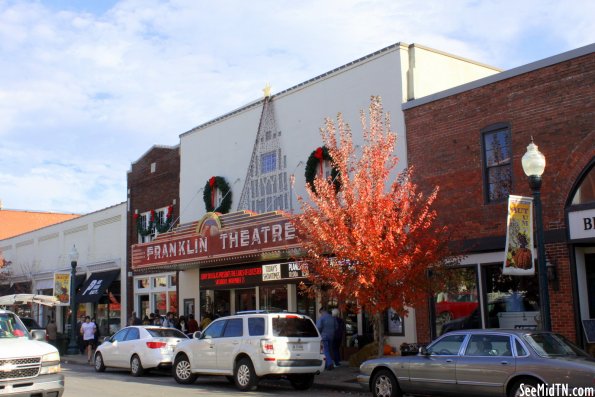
(177, 248)
(169, 249)
(257, 236)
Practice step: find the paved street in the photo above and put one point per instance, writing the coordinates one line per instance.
(82, 380)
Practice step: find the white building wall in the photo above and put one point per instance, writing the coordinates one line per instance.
(99, 237)
(223, 147)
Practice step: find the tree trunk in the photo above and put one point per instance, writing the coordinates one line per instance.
(380, 333)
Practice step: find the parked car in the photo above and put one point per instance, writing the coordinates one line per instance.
(455, 306)
(246, 347)
(139, 348)
(28, 366)
(503, 363)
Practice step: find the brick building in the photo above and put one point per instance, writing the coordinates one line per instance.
(153, 208)
(469, 141)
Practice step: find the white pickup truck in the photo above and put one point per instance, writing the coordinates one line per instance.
(28, 365)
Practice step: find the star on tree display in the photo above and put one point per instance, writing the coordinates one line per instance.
(372, 241)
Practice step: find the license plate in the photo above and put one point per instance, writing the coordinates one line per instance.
(297, 347)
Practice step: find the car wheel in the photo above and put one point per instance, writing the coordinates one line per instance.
(301, 382)
(384, 384)
(524, 387)
(182, 370)
(244, 375)
(136, 367)
(99, 366)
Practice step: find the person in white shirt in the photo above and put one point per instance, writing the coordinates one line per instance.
(88, 329)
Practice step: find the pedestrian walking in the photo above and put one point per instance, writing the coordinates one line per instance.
(88, 330)
(192, 324)
(52, 332)
(339, 335)
(327, 326)
(79, 336)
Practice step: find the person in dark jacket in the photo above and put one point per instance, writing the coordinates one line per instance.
(339, 335)
(327, 326)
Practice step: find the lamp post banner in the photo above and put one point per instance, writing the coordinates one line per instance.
(519, 237)
(62, 288)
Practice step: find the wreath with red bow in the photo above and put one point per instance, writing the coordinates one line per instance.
(155, 224)
(314, 166)
(217, 182)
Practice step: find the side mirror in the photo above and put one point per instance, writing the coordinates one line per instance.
(38, 334)
(423, 351)
(197, 335)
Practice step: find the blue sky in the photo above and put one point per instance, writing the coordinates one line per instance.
(88, 86)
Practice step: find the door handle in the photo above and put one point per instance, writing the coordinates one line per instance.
(504, 362)
(211, 346)
(449, 360)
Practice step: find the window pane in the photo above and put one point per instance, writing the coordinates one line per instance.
(132, 334)
(294, 327)
(520, 350)
(497, 147)
(513, 302)
(233, 328)
(256, 326)
(488, 345)
(457, 307)
(447, 346)
(586, 191)
(273, 298)
(268, 162)
(498, 169)
(215, 329)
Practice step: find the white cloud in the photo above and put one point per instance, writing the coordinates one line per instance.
(100, 87)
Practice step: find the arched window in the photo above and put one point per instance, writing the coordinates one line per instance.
(585, 193)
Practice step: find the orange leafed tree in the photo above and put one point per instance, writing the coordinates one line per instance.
(371, 241)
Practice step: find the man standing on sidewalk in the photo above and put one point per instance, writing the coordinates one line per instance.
(327, 325)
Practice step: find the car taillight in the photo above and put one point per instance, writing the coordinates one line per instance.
(267, 347)
(321, 348)
(156, 345)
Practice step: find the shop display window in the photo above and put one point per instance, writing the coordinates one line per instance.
(142, 283)
(273, 298)
(160, 302)
(159, 282)
(245, 299)
(457, 306)
(173, 301)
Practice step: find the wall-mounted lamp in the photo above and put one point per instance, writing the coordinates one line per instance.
(552, 275)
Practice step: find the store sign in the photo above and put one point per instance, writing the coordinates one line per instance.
(284, 271)
(211, 241)
(582, 224)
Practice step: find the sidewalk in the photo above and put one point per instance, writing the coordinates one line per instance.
(341, 378)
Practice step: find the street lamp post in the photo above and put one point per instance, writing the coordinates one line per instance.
(73, 347)
(534, 164)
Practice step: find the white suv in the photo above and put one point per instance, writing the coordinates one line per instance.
(251, 345)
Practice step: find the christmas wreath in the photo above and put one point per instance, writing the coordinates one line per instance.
(217, 182)
(150, 224)
(169, 217)
(314, 167)
(155, 224)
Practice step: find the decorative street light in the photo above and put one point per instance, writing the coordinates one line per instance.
(534, 165)
(73, 347)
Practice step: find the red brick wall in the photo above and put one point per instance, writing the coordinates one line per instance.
(554, 105)
(151, 190)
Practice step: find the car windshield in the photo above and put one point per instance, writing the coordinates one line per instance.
(294, 327)
(553, 345)
(165, 333)
(30, 323)
(11, 327)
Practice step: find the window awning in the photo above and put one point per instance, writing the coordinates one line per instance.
(95, 286)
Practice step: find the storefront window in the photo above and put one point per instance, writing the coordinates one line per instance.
(160, 302)
(142, 283)
(512, 301)
(173, 280)
(159, 282)
(245, 299)
(306, 304)
(457, 307)
(273, 298)
(173, 301)
(222, 303)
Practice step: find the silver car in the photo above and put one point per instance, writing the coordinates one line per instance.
(509, 363)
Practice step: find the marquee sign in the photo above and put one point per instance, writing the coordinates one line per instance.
(243, 276)
(211, 238)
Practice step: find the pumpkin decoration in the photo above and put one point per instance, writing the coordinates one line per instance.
(522, 256)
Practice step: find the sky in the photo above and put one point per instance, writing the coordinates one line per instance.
(88, 86)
